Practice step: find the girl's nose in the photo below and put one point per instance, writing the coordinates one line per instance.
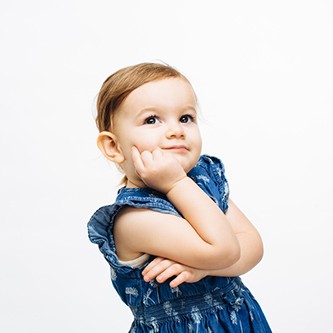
(175, 130)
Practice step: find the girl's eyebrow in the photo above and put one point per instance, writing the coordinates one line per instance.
(155, 109)
(143, 112)
(148, 109)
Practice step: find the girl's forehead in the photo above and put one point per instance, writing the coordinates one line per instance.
(163, 91)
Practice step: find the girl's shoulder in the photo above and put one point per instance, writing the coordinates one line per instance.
(101, 223)
(100, 232)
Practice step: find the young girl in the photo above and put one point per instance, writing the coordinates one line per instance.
(175, 241)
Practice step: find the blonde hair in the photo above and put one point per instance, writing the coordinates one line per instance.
(120, 84)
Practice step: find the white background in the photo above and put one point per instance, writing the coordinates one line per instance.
(263, 72)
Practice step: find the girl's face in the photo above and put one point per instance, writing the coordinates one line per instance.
(159, 114)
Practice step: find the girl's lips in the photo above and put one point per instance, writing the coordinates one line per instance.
(176, 148)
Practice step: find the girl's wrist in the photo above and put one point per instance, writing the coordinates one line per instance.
(180, 185)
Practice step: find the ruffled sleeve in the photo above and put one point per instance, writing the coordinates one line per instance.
(100, 232)
(209, 174)
(218, 171)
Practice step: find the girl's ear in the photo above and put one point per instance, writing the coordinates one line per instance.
(107, 143)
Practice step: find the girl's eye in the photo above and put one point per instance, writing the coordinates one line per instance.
(151, 120)
(186, 118)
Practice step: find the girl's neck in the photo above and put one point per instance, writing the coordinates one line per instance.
(136, 184)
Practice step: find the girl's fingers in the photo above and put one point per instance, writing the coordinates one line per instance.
(152, 264)
(181, 278)
(158, 271)
(137, 161)
(146, 157)
(162, 269)
(168, 272)
(157, 154)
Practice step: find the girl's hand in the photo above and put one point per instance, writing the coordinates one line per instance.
(157, 169)
(162, 269)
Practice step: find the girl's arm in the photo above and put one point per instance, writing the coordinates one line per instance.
(251, 253)
(203, 238)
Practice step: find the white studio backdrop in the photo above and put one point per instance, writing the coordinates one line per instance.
(263, 73)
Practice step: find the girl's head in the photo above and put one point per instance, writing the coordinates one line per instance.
(148, 106)
(120, 84)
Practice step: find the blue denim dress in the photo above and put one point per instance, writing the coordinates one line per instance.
(214, 304)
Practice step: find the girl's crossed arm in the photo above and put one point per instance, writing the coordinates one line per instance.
(251, 253)
(203, 239)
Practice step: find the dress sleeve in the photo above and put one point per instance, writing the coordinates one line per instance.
(100, 232)
(218, 184)
(220, 179)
